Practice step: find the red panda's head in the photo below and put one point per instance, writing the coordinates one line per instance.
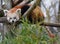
(13, 17)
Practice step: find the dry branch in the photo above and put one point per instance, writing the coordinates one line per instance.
(36, 2)
(4, 20)
(50, 24)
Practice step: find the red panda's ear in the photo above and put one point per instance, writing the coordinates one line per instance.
(18, 11)
(5, 12)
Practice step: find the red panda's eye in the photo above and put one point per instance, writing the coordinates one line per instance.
(10, 18)
(14, 17)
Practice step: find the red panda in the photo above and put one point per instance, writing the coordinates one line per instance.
(13, 15)
(16, 12)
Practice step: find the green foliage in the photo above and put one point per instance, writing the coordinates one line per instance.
(28, 34)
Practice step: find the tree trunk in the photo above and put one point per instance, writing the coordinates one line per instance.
(59, 16)
(0, 4)
(59, 7)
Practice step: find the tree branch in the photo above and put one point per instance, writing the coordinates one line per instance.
(4, 20)
(36, 2)
(50, 24)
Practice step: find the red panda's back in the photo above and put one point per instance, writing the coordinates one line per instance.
(14, 9)
(38, 12)
(36, 15)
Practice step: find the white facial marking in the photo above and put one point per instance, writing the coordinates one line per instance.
(12, 17)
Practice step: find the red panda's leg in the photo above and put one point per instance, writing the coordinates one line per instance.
(50, 33)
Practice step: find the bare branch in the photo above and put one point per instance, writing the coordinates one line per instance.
(36, 2)
(51, 24)
(4, 20)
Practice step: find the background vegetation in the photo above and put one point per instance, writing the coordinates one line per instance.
(28, 34)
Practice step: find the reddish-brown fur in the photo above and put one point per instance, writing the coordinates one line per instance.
(15, 8)
(18, 6)
(37, 12)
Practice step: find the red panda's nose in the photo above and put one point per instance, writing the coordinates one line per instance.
(12, 21)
